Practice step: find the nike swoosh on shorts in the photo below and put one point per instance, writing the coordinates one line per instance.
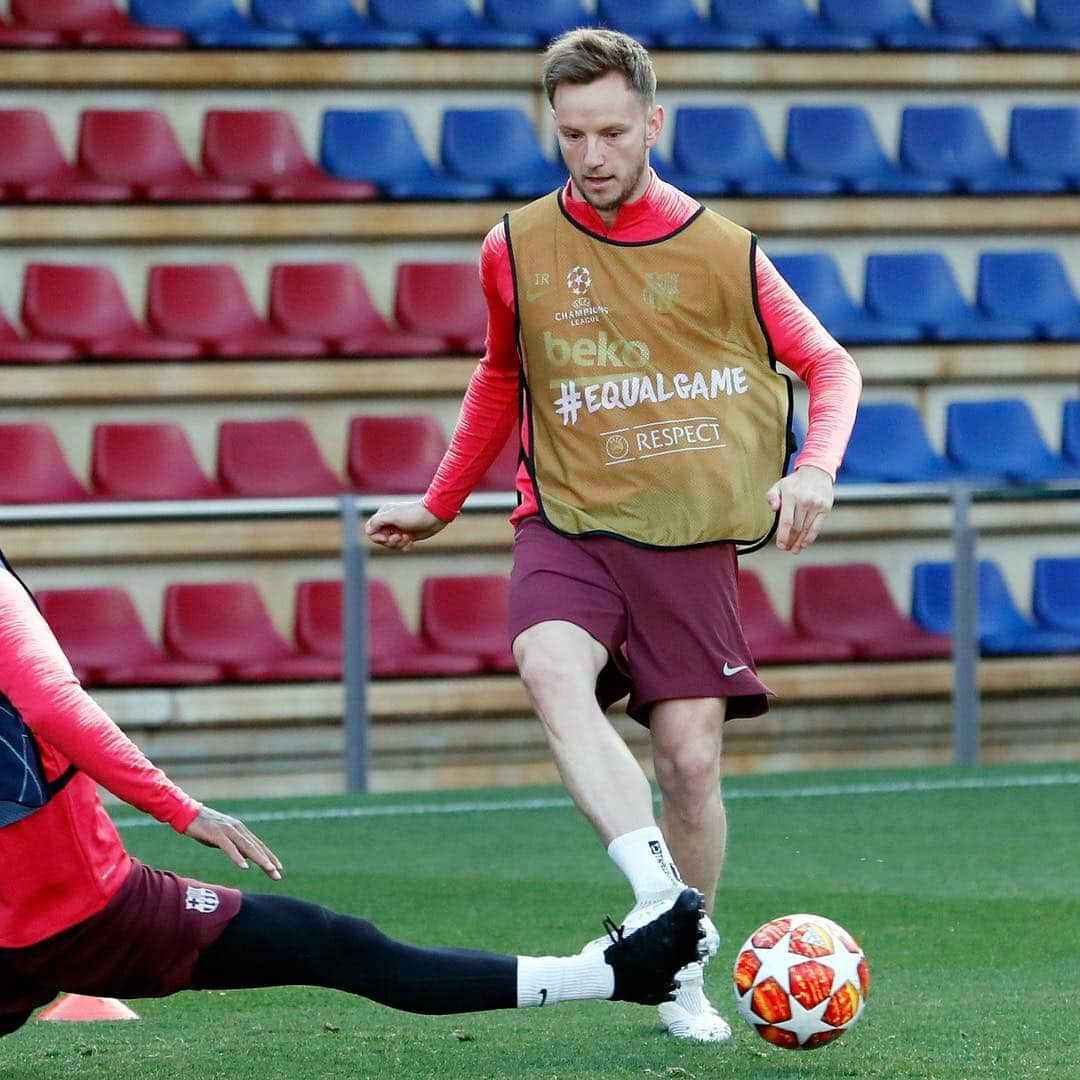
(728, 670)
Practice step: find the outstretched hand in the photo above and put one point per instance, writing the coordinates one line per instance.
(215, 829)
(804, 500)
(399, 525)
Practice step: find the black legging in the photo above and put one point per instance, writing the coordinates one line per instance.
(281, 941)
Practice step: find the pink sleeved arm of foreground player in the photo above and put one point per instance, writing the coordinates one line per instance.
(802, 344)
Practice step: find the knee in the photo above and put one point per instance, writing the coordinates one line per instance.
(689, 778)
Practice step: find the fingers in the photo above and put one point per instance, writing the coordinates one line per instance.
(236, 840)
(785, 525)
(250, 845)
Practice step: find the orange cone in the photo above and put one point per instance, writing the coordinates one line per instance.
(80, 1008)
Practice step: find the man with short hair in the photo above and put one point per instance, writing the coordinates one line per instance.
(638, 333)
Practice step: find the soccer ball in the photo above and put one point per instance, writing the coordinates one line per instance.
(801, 981)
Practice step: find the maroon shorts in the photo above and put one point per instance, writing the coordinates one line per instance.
(669, 618)
(144, 943)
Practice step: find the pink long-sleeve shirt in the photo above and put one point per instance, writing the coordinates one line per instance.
(490, 408)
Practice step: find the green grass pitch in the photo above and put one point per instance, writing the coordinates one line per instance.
(962, 887)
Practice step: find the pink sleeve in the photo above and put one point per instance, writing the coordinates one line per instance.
(801, 343)
(38, 680)
(489, 411)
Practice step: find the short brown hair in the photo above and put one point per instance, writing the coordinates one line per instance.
(585, 55)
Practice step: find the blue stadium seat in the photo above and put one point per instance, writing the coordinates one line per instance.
(380, 145)
(1004, 22)
(1055, 594)
(691, 182)
(1033, 287)
(498, 147)
(449, 23)
(676, 24)
(839, 142)
(786, 24)
(951, 142)
(544, 21)
(1070, 431)
(919, 287)
(816, 278)
(727, 143)
(213, 24)
(1002, 436)
(1046, 141)
(1002, 628)
(889, 445)
(895, 24)
(333, 23)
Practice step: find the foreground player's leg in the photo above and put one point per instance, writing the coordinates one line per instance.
(280, 941)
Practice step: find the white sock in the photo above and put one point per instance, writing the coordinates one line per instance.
(549, 980)
(643, 856)
(690, 988)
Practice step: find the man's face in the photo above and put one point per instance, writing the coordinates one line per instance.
(605, 132)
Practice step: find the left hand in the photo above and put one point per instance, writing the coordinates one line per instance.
(215, 829)
(804, 500)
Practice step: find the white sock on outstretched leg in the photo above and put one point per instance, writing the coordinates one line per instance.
(643, 856)
(549, 980)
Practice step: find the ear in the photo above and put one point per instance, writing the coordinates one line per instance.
(654, 124)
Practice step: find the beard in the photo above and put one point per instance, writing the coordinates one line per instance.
(613, 202)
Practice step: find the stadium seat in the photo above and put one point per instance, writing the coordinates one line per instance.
(84, 307)
(1002, 436)
(501, 474)
(889, 445)
(1031, 287)
(14, 348)
(693, 183)
(1055, 594)
(227, 623)
(950, 142)
(786, 24)
(261, 147)
(330, 302)
(210, 305)
(673, 24)
(816, 279)
(468, 614)
(1046, 142)
(838, 142)
(92, 22)
(331, 23)
(442, 299)
(919, 287)
(1070, 431)
(498, 147)
(380, 146)
(33, 169)
(101, 633)
(852, 603)
(26, 37)
(895, 24)
(727, 143)
(394, 651)
(394, 454)
(1002, 629)
(147, 461)
(272, 459)
(213, 24)
(544, 21)
(33, 468)
(771, 641)
(139, 147)
(449, 23)
(1005, 23)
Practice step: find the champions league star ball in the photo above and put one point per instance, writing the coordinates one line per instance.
(801, 981)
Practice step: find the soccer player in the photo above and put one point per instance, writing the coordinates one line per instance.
(638, 334)
(78, 914)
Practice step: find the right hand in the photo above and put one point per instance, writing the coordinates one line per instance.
(399, 525)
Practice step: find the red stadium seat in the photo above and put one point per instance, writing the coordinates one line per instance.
(852, 604)
(147, 461)
(227, 623)
(210, 305)
(93, 22)
(330, 301)
(14, 348)
(261, 147)
(443, 300)
(771, 640)
(83, 306)
(14, 37)
(394, 454)
(393, 650)
(140, 148)
(33, 468)
(272, 458)
(468, 614)
(33, 169)
(501, 474)
(101, 633)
